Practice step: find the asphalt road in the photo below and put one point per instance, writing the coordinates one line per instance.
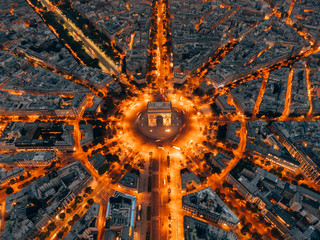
(91, 47)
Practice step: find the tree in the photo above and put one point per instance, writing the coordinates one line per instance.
(299, 177)
(225, 184)
(238, 196)
(207, 156)
(242, 220)
(62, 216)
(69, 210)
(256, 236)
(44, 235)
(78, 199)
(222, 196)
(112, 157)
(75, 218)
(245, 230)
(215, 170)
(74, 206)
(85, 148)
(108, 103)
(88, 190)
(127, 166)
(268, 224)
(275, 233)
(60, 234)
(222, 132)
(9, 190)
(248, 206)
(103, 168)
(280, 169)
(90, 201)
(52, 226)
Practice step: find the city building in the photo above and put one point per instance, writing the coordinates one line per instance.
(25, 136)
(220, 160)
(23, 159)
(6, 176)
(302, 141)
(180, 78)
(41, 105)
(140, 78)
(195, 229)
(292, 209)
(189, 180)
(95, 108)
(114, 87)
(97, 160)
(35, 205)
(87, 137)
(130, 180)
(92, 76)
(120, 216)
(206, 204)
(87, 226)
(223, 105)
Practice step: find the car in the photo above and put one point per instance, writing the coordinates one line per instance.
(139, 212)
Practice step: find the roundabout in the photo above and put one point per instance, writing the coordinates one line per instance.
(170, 119)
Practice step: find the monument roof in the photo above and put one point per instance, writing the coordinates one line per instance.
(159, 106)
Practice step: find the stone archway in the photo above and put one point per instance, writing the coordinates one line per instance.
(159, 120)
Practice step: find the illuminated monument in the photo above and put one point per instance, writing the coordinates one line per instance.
(159, 121)
(159, 114)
